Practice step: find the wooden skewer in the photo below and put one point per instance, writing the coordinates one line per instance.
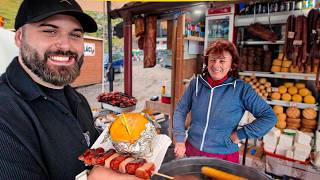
(124, 120)
(163, 175)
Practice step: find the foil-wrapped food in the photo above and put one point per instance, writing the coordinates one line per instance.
(132, 133)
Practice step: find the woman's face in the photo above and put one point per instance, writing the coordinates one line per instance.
(219, 65)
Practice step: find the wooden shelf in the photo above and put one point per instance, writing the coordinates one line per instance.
(281, 75)
(275, 18)
(194, 38)
(293, 104)
(260, 42)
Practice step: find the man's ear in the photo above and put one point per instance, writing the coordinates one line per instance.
(18, 37)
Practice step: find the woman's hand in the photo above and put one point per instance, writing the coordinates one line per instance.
(102, 173)
(234, 138)
(180, 149)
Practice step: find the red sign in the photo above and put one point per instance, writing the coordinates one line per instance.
(219, 10)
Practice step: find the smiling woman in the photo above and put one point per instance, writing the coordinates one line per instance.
(217, 100)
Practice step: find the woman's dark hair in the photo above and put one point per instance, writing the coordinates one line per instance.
(217, 47)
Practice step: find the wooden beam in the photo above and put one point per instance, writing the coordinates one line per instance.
(179, 87)
(169, 34)
(173, 74)
(127, 29)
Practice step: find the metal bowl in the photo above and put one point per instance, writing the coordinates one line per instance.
(192, 166)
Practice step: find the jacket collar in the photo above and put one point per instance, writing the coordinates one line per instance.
(203, 81)
(23, 85)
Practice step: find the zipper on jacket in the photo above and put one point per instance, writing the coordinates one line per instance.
(208, 113)
(207, 123)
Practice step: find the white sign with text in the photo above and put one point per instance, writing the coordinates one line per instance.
(89, 49)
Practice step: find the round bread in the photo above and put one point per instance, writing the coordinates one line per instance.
(296, 98)
(309, 127)
(281, 117)
(300, 85)
(268, 84)
(262, 80)
(304, 92)
(292, 90)
(309, 99)
(278, 109)
(288, 84)
(282, 89)
(277, 62)
(275, 96)
(286, 97)
(262, 87)
(275, 68)
(286, 64)
(293, 120)
(263, 91)
(293, 112)
(309, 122)
(247, 79)
(306, 129)
(292, 127)
(284, 69)
(281, 124)
(268, 89)
(309, 113)
(297, 125)
(254, 80)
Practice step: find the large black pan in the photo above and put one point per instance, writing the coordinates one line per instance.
(192, 166)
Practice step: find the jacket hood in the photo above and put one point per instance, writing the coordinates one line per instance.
(201, 79)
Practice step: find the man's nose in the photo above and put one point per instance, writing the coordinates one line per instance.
(63, 42)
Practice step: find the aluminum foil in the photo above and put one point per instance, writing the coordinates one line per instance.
(142, 147)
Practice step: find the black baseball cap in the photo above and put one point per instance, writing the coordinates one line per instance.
(32, 11)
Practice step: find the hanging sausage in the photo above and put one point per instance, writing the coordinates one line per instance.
(150, 42)
(139, 26)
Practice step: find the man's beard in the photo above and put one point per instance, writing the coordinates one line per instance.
(56, 75)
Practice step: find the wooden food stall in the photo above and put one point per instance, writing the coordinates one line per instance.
(91, 71)
(268, 62)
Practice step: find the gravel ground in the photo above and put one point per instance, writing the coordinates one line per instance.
(146, 82)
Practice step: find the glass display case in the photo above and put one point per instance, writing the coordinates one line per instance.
(219, 25)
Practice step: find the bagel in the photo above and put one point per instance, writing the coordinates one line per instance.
(293, 120)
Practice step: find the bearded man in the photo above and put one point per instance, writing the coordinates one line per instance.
(44, 123)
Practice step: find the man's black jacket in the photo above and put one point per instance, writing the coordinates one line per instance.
(39, 137)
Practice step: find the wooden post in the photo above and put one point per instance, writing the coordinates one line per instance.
(177, 66)
(127, 29)
(173, 74)
(179, 86)
(169, 34)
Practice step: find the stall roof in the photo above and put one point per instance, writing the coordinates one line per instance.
(158, 8)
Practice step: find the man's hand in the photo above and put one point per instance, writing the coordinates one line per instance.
(180, 149)
(234, 138)
(102, 173)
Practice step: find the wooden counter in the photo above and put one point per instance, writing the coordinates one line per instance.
(157, 106)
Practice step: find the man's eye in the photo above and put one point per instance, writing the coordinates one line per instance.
(76, 35)
(52, 32)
